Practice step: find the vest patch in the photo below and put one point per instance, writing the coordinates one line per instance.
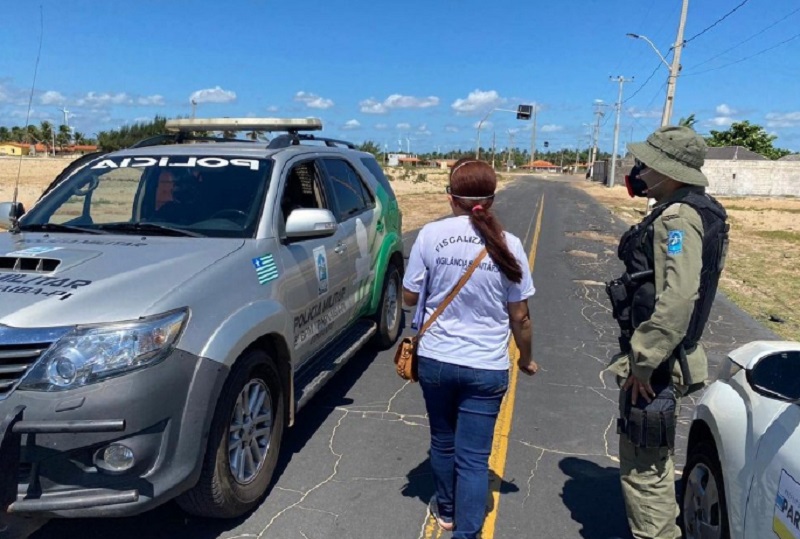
(675, 242)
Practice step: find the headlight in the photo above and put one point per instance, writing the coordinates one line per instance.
(92, 353)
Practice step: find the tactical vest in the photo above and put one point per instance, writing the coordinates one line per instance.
(636, 252)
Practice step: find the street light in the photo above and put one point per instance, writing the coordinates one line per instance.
(645, 38)
(523, 112)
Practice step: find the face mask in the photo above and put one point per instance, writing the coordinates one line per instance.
(636, 186)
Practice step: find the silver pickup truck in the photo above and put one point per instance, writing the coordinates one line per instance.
(165, 311)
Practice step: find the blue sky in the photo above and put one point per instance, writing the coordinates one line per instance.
(417, 73)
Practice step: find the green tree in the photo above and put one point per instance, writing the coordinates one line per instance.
(371, 147)
(689, 121)
(751, 136)
(63, 135)
(5, 134)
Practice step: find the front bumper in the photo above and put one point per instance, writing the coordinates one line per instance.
(49, 441)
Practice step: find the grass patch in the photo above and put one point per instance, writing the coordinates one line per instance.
(780, 235)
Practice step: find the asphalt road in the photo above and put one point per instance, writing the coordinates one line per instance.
(356, 464)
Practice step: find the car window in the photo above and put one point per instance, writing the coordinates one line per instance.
(352, 196)
(210, 195)
(376, 170)
(302, 189)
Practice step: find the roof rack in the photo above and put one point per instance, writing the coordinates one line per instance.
(294, 139)
(291, 125)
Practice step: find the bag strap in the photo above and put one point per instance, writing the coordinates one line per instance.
(451, 296)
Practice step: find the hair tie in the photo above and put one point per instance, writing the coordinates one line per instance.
(476, 208)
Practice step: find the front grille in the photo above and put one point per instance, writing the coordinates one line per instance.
(29, 265)
(15, 360)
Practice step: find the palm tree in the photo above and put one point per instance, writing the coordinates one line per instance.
(79, 137)
(689, 121)
(46, 130)
(5, 134)
(32, 134)
(17, 134)
(63, 135)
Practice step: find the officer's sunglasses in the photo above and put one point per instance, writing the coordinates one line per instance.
(640, 165)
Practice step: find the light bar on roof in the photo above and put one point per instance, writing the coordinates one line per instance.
(245, 124)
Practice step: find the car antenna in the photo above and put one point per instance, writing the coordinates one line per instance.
(15, 217)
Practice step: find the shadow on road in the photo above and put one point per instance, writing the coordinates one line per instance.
(169, 521)
(420, 485)
(594, 497)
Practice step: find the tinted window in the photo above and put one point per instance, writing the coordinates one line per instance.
(352, 196)
(302, 189)
(779, 374)
(376, 170)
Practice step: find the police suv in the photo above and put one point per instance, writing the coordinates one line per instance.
(165, 311)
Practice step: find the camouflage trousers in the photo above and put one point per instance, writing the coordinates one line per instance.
(648, 487)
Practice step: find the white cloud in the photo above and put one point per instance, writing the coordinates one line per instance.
(93, 99)
(381, 127)
(157, 100)
(313, 101)
(272, 108)
(476, 101)
(486, 125)
(397, 101)
(787, 119)
(51, 97)
(552, 128)
(351, 125)
(725, 110)
(404, 126)
(721, 121)
(633, 112)
(423, 130)
(213, 95)
(451, 129)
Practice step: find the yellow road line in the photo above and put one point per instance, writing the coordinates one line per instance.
(497, 459)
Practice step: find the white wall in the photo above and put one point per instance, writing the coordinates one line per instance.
(753, 178)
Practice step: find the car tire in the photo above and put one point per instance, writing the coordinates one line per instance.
(390, 309)
(230, 484)
(703, 493)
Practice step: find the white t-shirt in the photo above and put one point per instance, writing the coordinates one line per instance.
(473, 330)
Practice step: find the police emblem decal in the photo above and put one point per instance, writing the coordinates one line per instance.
(266, 269)
(675, 242)
(321, 263)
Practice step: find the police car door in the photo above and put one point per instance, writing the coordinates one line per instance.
(355, 205)
(317, 268)
(773, 506)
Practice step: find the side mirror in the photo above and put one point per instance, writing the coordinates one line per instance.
(310, 223)
(10, 212)
(776, 376)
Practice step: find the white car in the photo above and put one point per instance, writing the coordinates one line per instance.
(742, 474)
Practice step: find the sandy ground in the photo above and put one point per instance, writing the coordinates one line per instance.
(762, 274)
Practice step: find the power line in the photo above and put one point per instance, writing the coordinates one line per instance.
(731, 12)
(745, 58)
(639, 89)
(777, 22)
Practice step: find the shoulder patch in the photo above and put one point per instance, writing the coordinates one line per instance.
(675, 242)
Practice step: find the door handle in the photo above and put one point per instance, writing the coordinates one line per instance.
(340, 248)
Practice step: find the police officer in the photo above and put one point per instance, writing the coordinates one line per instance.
(673, 260)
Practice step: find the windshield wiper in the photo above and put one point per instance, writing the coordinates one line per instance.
(56, 227)
(143, 228)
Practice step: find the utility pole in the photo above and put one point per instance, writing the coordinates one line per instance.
(675, 68)
(494, 133)
(621, 80)
(194, 108)
(598, 112)
(510, 150)
(533, 134)
(577, 155)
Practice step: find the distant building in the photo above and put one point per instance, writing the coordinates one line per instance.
(444, 164)
(790, 157)
(541, 166)
(733, 153)
(14, 148)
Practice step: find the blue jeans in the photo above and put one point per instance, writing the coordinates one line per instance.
(462, 405)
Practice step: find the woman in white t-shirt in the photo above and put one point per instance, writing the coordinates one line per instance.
(463, 356)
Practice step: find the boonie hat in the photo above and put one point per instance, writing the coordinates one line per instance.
(674, 151)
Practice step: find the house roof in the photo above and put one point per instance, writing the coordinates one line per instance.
(790, 157)
(15, 144)
(731, 153)
(409, 159)
(539, 164)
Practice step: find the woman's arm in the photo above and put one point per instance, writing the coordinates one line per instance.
(522, 329)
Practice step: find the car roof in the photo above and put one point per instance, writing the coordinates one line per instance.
(235, 148)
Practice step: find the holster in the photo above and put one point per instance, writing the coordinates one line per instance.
(649, 425)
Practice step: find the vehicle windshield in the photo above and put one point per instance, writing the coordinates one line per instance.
(157, 195)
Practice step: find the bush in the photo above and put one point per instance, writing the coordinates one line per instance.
(421, 178)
